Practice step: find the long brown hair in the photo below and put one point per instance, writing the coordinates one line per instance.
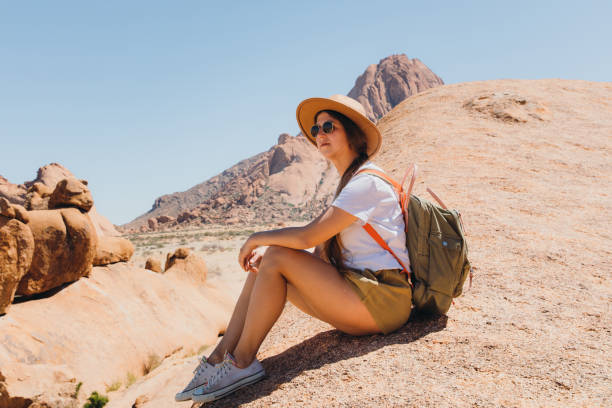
(359, 144)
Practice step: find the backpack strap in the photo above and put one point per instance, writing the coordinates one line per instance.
(404, 197)
(414, 169)
(399, 187)
(376, 236)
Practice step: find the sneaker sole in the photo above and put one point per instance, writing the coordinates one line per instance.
(215, 395)
(186, 396)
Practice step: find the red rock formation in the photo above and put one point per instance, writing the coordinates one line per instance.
(184, 264)
(153, 264)
(16, 251)
(14, 193)
(35, 195)
(173, 257)
(111, 250)
(384, 85)
(65, 246)
(70, 192)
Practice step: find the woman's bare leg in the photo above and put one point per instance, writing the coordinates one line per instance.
(293, 295)
(321, 287)
(234, 328)
(236, 324)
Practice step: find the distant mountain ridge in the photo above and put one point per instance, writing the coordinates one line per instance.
(290, 181)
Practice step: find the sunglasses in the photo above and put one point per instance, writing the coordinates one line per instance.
(327, 127)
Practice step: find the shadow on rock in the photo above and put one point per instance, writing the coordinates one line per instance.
(326, 348)
(43, 295)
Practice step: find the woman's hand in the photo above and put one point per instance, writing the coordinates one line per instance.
(255, 258)
(246, 253)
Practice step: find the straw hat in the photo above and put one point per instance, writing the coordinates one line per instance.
(349, 107)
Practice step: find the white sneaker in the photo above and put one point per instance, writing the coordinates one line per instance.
(228, 378)
(203, 374)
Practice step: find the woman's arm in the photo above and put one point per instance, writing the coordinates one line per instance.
(329, 223)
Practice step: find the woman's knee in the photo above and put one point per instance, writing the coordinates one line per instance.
(275, 256)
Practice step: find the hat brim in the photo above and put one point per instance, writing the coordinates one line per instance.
(308, 108)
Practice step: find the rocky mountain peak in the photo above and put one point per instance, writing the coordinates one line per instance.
(384, 85)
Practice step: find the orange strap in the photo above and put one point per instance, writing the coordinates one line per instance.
(404, 197)
(370, 230)
(382, 175)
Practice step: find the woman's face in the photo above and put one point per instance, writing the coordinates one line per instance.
(335, 144)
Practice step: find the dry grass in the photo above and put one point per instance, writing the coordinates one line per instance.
(153, 361)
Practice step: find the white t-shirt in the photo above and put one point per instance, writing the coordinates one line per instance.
(372, 200)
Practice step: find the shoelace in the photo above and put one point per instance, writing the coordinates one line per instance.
(201, 366)
(225, 368)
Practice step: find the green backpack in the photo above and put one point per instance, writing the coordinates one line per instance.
(436, 247)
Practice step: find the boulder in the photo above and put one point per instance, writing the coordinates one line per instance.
(65, 244)
(6, 209)
(172, 257)
(21, 213)
(11, 211)
(71, 192)
(15, 193)
(152, 222)
(112, 249)
(165, 219)
(187, 216)
(184, 264)
(153, 264)
(16, 251)
(37, 197)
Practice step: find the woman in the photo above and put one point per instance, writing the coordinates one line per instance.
(349, 281)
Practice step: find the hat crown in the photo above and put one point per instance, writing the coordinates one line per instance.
(350, 102)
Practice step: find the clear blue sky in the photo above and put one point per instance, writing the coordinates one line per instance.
(144, 98)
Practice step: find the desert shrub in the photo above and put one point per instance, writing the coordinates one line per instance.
(114, 386)
(131, 379)
(77, 389)
(96, 400)
(153, 361)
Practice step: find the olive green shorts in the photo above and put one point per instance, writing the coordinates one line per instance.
(386, 293)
